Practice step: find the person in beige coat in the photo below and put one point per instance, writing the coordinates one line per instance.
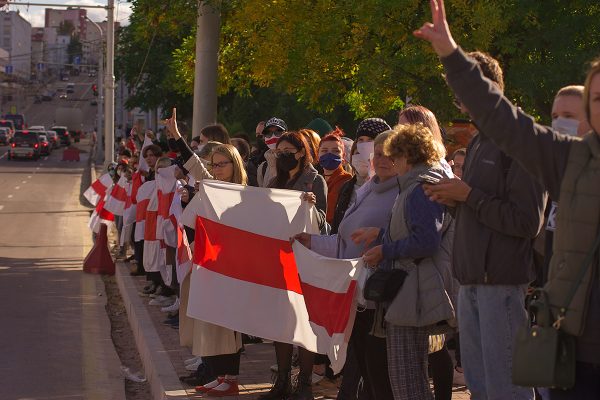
(219, 347)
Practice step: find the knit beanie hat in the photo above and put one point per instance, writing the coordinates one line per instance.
(371, 127)
(320, 126)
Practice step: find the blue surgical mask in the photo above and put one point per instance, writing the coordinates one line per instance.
(330, 161)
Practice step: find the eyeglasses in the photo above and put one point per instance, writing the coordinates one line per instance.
(221, 164)
(284, 153)
(276, 133)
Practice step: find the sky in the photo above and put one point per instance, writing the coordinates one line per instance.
(35, 15)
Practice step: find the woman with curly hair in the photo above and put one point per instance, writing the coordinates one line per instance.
(412, 239)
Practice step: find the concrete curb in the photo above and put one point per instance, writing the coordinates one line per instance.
(164, 382)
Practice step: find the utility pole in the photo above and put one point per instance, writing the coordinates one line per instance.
(100, 91)
(205, 72)
(109, 86)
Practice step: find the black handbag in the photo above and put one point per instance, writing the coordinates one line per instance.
(543, 354)
(384, 284)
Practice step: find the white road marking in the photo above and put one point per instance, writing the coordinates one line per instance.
(28, 176)
(1, 207)
(17, 187)
(37, 168)
(10, 196)
(23, 181)
(3, 155)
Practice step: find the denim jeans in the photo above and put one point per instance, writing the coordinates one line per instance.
(488, 319)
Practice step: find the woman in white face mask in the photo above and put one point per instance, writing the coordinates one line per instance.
(568, 114)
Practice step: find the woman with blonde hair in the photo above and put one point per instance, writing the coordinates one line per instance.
(219, 347)
(412, 242)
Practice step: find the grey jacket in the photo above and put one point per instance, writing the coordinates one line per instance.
(311, 181)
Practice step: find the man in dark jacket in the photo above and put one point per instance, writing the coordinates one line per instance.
(499, 211)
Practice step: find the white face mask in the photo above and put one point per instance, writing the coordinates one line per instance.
(568, 126)
(361, 166)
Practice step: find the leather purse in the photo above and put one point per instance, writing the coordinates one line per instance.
(384, 284)
(543, 354)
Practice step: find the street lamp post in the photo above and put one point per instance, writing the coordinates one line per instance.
(109, 85)
(100, 91)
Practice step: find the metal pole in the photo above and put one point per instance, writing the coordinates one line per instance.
(109, 86)
(205, 73)
(100, 77)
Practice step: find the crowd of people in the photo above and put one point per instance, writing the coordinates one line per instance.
(474, 230)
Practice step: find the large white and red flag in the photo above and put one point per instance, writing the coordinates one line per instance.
(138, 179)
(117, 198)
(154, 252)
(98, 189)
(249, 278)
(142, 198)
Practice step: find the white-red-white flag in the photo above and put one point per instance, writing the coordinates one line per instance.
(283, 293)
(166, 185)
(142, 164)
(143, 196)
(97, 189)
(117, 198)
(183, 257)
(154, 249)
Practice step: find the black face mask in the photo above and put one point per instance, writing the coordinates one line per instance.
(287, 162)
(172, 143)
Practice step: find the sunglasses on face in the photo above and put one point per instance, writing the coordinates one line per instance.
(273, 133)
(283, 153)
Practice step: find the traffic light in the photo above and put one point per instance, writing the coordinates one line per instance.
(95, 90)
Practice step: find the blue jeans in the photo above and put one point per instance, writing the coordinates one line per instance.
(488, 319)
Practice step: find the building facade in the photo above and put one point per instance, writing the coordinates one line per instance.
(15, 38)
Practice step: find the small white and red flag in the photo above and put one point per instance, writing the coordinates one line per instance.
(98, 189)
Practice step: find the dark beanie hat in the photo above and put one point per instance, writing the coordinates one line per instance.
(372, 127)
(320, 126)
(279, 123)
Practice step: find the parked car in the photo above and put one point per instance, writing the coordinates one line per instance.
(25, 144)
(70, 87)
(17, 119)
(5, 136)
(63, 134)
(36, 128)
(37, 100)
(46, 97)
(62, 96)
(53, 138)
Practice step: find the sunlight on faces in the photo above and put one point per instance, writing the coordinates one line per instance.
(569, 106)
(151, 159)
(286, 147)
(384, 167)
(457, 165)
(595, 103)
(222, 167)
(331, 146)
(203, 140)
(401, 165)
(362, 139)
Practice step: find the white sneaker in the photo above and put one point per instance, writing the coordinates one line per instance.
(160, 301)
(172, 307)
(191, 360)
(194, 366)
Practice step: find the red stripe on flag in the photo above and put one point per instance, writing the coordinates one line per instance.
(136, 182)
(99, 187)
(164, 203)
(150, 226)
(328, 309)
(119, 193)
(140, 210)
(245, 256)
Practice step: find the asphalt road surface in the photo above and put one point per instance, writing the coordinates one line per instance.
(54, 332)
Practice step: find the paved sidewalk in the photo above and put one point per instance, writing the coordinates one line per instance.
(163, 358)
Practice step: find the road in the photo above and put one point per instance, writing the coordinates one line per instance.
(55, 336)
(43, 113)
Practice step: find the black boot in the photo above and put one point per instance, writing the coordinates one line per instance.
(281, 389)
(304, 389)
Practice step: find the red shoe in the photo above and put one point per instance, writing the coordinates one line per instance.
(204, 389)
(232, 390)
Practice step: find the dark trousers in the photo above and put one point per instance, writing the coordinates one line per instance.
(587, 385)
(138, 254)
(224, 364)
(442, 373)
(350, 388)
(371, 355)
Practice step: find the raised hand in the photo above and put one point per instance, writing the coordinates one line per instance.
(172, 125)
(438, 32)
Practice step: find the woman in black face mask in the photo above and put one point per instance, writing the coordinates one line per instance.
(295, 172)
